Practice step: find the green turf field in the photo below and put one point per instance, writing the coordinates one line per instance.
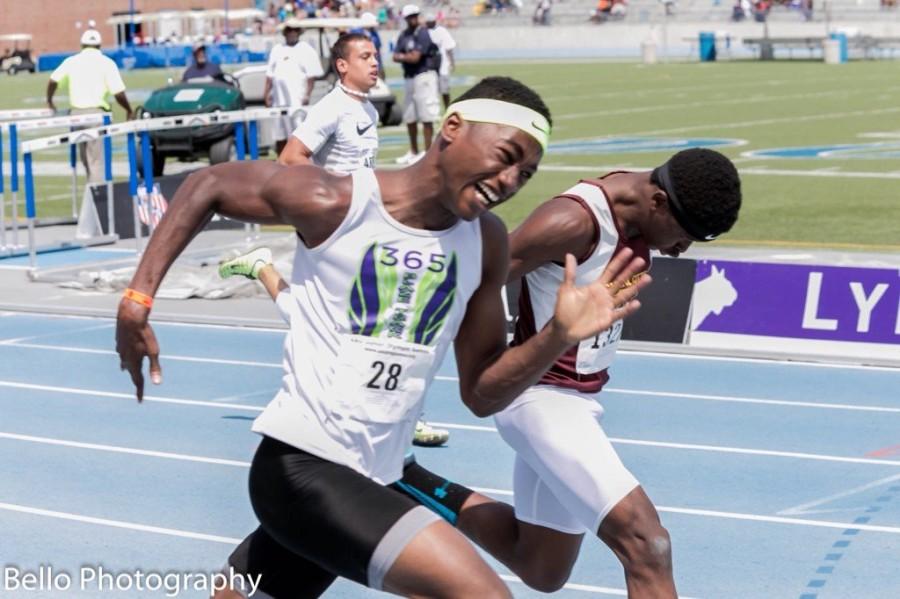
(847, 201)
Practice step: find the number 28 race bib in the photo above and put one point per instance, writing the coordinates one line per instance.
(380, 380)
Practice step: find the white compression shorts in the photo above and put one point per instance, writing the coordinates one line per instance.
(567, 474)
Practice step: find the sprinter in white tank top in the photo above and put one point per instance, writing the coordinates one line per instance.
(340, 134)
(382, 294)
(568, 479)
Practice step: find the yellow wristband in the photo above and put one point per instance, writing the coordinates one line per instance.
(141, 298)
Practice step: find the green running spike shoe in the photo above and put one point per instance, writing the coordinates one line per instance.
(428, 436)
(246, 265)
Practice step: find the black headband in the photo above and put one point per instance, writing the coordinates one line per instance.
(687, 222)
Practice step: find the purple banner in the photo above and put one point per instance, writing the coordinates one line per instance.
(798, 301)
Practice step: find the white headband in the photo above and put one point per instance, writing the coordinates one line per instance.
(484, 110)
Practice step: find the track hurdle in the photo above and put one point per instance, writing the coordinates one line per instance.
(21, 114)
(136, 132)
(12, 130)
(71, 138)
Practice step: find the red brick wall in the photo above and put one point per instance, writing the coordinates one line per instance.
(52, 22)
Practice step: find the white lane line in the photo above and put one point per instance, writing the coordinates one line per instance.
(762, 452)
(172, 532)
(164, 357)
(754, 400)
(185, 534)
(761, 170)
(734, 399)
(450, 425)
(587, 588)
(129, 450)
(779, 520)
(490, 491)
(147, 398)
(709, 448)
(775, 361)
(806, 508)
(165, 323)
(56, 333)
(756, 99)
(464, 427)
(822, 116)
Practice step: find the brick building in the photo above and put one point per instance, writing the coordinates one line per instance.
(54, 24)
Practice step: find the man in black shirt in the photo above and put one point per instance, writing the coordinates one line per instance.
(421, 60)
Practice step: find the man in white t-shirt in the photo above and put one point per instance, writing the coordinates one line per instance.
(290, 75)
(90, 76)
(446, 44)
(340, 133)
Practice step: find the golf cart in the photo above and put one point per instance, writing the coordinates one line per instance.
(252, 79)
(17, 60)
(196, 96)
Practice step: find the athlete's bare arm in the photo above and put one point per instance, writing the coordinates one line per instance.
(492, 376)
(308, 198)
(295, 153)
(557, 227)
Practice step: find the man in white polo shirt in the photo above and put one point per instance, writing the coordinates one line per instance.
(291, 73)
(90, 76)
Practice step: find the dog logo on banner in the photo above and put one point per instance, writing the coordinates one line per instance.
(152, 206)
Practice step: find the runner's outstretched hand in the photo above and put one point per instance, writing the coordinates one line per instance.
(582, 312)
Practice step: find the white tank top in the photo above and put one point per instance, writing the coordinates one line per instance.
(372, 312)
(584, 366)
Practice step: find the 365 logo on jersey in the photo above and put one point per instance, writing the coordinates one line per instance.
(402, 293)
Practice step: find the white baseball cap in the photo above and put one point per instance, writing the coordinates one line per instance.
(409, 10)
(368, 19)
(91, 37)
(292, 23)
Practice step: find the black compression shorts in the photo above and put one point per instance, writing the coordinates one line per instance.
(320, 520)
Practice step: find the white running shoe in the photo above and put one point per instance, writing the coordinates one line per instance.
(246, 265)
(407, 158)
(428, 436)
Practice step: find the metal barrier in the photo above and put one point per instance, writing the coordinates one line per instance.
(138, 131)
(12, 130)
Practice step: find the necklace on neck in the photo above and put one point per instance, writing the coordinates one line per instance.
(353, 92)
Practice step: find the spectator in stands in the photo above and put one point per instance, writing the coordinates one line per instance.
(738, 13)
(542, 12)
(619, 10)
(806, 7)
(91, 76)
(446, 44)
(290, 75)
(421, 59)
(600, 14)
(202, 68)
(761, 10)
